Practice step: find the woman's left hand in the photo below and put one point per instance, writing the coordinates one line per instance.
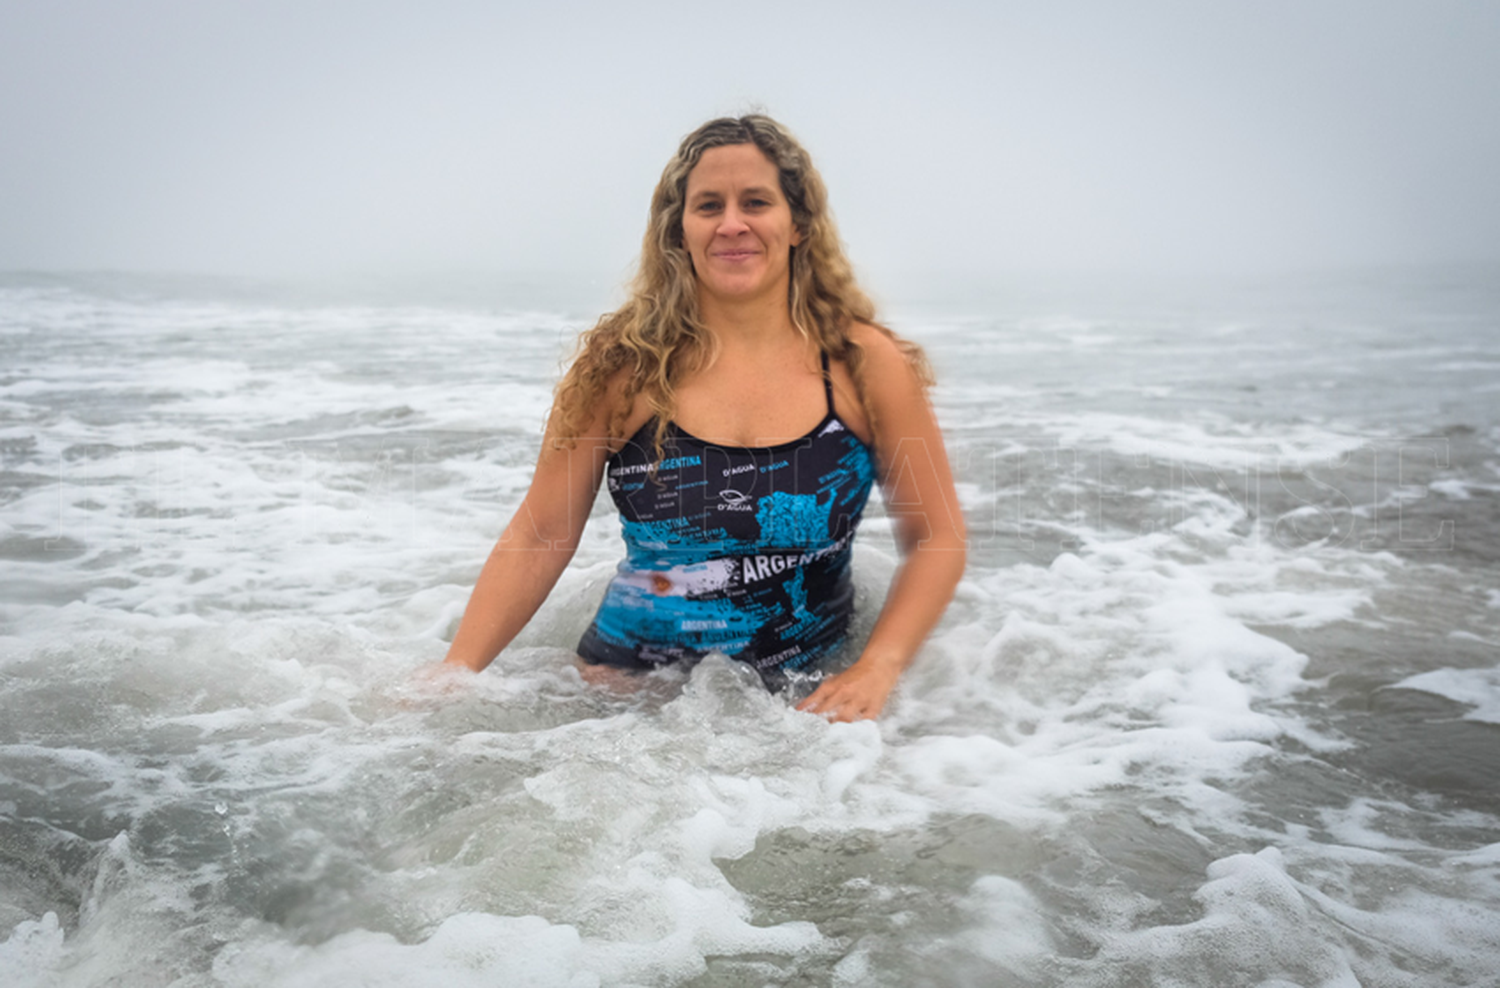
(857, 693)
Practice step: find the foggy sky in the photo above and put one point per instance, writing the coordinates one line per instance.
(321, 136)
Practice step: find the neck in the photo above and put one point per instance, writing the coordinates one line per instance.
(762, 319)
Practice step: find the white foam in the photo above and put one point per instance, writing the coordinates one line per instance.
(1213, 441)
(1478, 688)
(484, 950)
(29, 957)
(1359, 826)
(1257, 928)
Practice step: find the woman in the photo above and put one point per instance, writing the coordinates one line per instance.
(744, 327)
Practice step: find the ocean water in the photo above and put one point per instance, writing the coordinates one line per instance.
(1217, 703)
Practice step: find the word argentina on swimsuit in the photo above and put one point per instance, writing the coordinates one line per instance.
(673, 463)
(763, 567)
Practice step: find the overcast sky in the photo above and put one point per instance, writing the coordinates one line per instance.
(331, 136)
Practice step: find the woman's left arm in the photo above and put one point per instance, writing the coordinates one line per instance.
(917, 484)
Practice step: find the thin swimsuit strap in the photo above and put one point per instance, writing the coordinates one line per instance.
(827, 381)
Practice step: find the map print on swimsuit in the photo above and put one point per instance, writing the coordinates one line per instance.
(736, 549)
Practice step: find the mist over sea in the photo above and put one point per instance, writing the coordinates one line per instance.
(1217, 703)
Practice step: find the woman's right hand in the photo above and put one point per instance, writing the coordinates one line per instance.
(534, 549)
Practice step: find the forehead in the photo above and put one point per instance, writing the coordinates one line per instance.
(732, 166)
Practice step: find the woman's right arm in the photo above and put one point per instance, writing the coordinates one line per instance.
(533, 550)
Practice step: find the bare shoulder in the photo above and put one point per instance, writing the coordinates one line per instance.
(876, 341)
(636, 408)
(888, 368)
(619, 414)
(610, 417)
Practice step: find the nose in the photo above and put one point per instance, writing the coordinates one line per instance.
(731, 222)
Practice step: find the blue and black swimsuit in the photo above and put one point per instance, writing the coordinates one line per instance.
(744, 550)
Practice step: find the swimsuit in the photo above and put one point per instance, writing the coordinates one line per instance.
(743, 550)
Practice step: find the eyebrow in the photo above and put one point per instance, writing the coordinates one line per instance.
(754, 190)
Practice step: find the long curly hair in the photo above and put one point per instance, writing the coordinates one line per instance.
(658, 333)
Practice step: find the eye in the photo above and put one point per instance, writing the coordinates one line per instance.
(708, 206)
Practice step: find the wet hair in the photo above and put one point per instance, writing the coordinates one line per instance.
(658, 334)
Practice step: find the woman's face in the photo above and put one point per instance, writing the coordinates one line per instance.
(737, 226)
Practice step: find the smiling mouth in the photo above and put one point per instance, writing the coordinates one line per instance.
(734, 255)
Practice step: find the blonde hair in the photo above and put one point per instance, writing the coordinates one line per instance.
(658, 335)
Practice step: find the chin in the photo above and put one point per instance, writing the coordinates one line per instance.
(734, 291)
